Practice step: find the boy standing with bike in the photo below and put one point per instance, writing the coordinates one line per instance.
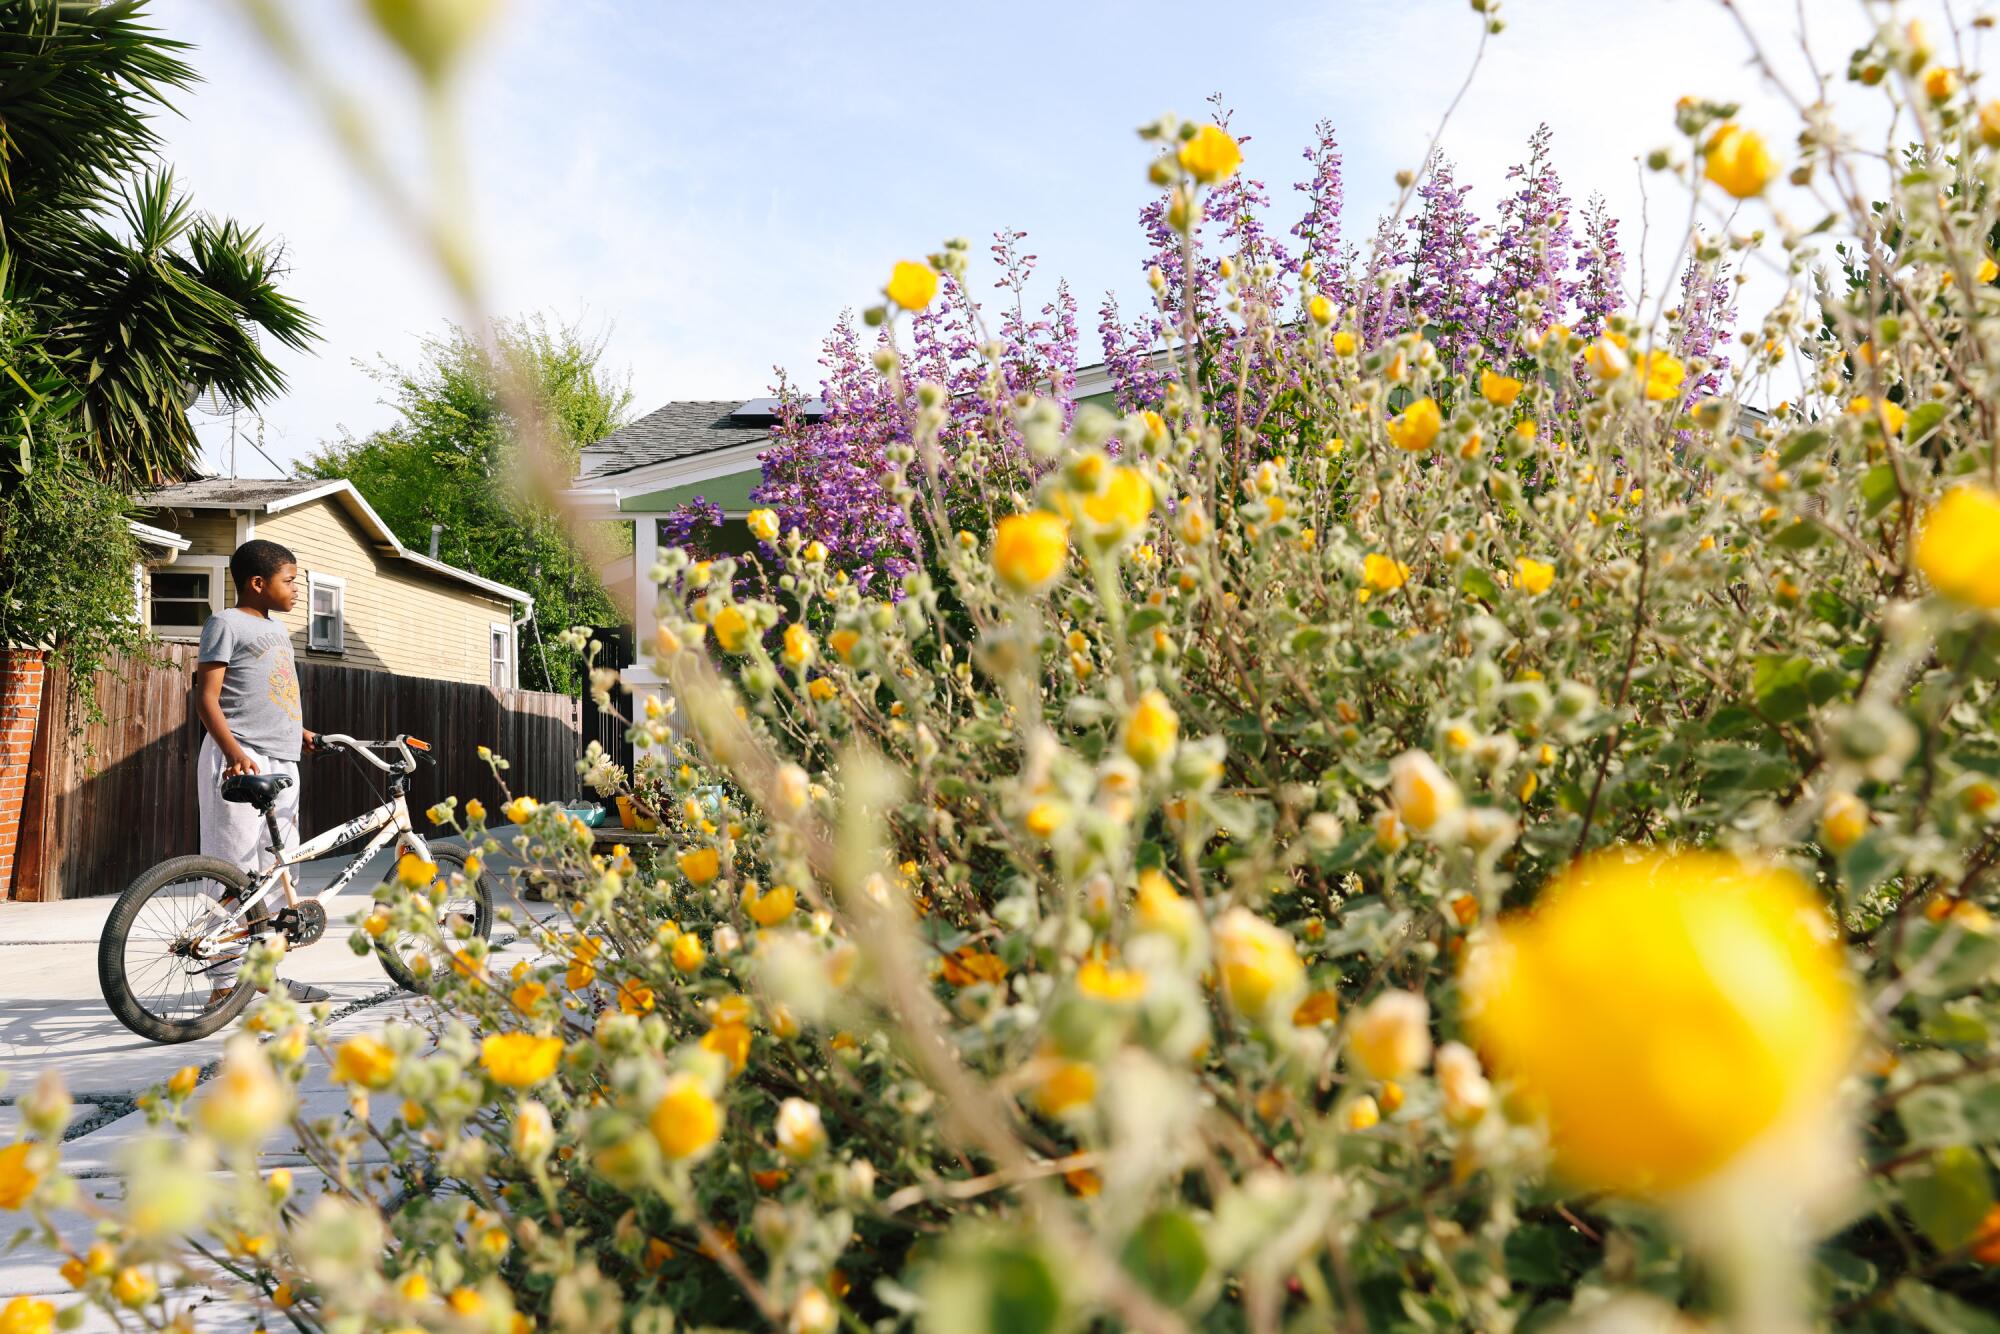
(246, 693)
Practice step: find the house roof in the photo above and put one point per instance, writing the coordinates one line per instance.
(673, 431)
(165, 539)
(274, 496)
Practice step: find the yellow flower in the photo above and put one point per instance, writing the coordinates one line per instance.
(414, 872)
(1417, 427)
(1320, 310)
(520, 810)
(1116, 511)
(1988, 270)
(1466, 1092)
(1844, 821)
(73, 1273)
(1151, 730)
(1029, 550)
(1959, 547)
(1664, 374)
(731, 1042)
(686, 1119)
(967, 966)
(799, 648)
(912, 285)
(1391, 1038)
(31, 1315)
(1319, 1007)
(1605, 358)
(133, 1288)
(475, 810)
(1363, 1113)
(1738, 161)
(465, 1301)
(364, 1060)
(820, 689)
(1427, 801)
(763, 524)
(1940, 83)
(519, 1060)
(733, 630)
(1381, 573)
(1989, 124)
(247, 1102)
(771, 907)
(183, 1081)
(1260, 965)
(17, 1179)
(800, 1131)
(1105, 982)
(1499, 390)
(635, 997)
(1533, 577)
(688, 953)
(1044, 818)
(1666, 1009)
(1344, 344)
(1068, 1086)
(1211, 154)
(699, 865)
(1157, 906)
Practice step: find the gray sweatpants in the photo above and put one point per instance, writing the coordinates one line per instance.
(233, 830)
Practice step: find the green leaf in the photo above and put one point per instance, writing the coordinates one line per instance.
(1801, 445)
(1787, 687)
(1923, 420)
(1307, 640)
(1168, 1257)
(1796, 536)
(1000, 1287)
(1946, 959)
(1479, 583)
(1941, 1313)
(1949, 1197)
(1878, 488)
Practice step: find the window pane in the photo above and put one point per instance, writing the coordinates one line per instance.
(181, 584)
(179, 613)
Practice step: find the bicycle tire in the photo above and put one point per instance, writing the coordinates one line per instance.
(449, 861)
(112, 948)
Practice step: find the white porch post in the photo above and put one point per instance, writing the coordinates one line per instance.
(645, 596)
(640, 678)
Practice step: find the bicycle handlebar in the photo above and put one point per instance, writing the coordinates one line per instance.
(366, 749)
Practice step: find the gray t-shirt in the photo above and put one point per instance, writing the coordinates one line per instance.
(260, 684)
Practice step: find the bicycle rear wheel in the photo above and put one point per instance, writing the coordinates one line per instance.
(468, 904)
(162, 972)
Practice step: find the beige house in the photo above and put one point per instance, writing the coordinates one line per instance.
(365, 600)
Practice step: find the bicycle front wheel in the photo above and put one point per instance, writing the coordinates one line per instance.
(410, 959)
(166, 962)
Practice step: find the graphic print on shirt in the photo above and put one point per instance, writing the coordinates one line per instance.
(283, 683)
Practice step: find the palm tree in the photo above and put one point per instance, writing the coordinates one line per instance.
(137, 301)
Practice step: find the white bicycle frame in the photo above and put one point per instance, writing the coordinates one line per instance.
(389, 822)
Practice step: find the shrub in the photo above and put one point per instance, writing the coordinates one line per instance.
(1466, 844)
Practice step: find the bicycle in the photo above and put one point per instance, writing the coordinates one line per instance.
(168, 957)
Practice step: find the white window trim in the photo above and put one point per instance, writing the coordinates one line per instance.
(314, 582)
(513, 672)
(218, 595)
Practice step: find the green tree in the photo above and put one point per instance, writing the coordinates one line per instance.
(137, 300)
(460, 458)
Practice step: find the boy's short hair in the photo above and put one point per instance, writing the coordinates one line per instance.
(256, 559)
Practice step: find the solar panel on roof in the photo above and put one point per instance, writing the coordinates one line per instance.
(765, 411)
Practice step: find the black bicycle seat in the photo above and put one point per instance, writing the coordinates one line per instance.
(260, 790)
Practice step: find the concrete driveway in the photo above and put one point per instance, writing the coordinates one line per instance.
(52, 1017)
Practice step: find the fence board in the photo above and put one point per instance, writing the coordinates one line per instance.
(120, 794)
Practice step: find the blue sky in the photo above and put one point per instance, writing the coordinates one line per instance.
(710, 184)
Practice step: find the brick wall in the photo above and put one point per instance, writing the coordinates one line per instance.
(20, 708)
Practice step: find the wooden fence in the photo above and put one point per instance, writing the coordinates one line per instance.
(107, 801)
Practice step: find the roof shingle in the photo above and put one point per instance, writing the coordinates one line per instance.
(675, 431)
